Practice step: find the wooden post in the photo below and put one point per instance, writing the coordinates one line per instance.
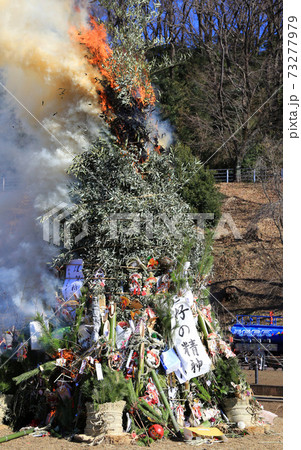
(256, 370)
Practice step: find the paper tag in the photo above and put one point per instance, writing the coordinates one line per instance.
(82, 367)
(60, 362)
(99, 373)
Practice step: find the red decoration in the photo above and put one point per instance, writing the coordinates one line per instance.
(156, 431)
(271, 317)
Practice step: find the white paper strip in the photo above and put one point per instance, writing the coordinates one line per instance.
(99, 373)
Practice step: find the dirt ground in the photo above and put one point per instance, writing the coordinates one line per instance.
(247, 275)
(268, 377)
(272, 438)
(269, 440)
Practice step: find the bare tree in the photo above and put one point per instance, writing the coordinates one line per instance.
(242, 41)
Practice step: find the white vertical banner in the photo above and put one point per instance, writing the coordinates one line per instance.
(187, 342)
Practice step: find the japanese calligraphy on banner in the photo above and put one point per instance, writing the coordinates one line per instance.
(74, 280)
(187, 342)
(74, 269)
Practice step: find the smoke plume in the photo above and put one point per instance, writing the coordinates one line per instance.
(49, 113)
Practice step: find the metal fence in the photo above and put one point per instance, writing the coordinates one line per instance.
(10, 182)
(247, 175)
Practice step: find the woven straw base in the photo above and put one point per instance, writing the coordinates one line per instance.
(106, 421)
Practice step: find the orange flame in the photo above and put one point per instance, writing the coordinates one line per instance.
(95, 39)
(101, 55)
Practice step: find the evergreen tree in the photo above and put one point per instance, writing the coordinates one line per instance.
(127, 171)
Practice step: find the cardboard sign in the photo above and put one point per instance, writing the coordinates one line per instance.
(187, 342)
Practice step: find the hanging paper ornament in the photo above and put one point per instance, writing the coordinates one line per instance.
(151, 319)
(124, 302)
(163, 284)
(131, 365)
(152, 358)
(99, 277)
(196, 413)
(206, 312)
(134, 285)
(180, 415)
(22, 350)
(156, 431)
(149, 284)
(152, 264)
(216, 345)
(123, 334)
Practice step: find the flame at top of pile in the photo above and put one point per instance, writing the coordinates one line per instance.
(100, 55)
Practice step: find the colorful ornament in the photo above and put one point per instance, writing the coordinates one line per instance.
(99, 277)
(156, 431)
(152, 358)
(151, 394)
(152, 264)
(124, 302)
(163, 284)
(149, 283)
(134, 286)
(206, 312)
(180, 415)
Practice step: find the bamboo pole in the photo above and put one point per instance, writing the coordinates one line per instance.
(112, 334)
(16, 435)
(203, 326)
(166, 404)
(141, 358)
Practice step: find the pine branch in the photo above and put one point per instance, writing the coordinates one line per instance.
(47, 367)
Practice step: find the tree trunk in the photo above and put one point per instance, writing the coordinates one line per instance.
(238, 170)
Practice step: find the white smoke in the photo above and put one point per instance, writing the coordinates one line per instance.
(49, 113)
